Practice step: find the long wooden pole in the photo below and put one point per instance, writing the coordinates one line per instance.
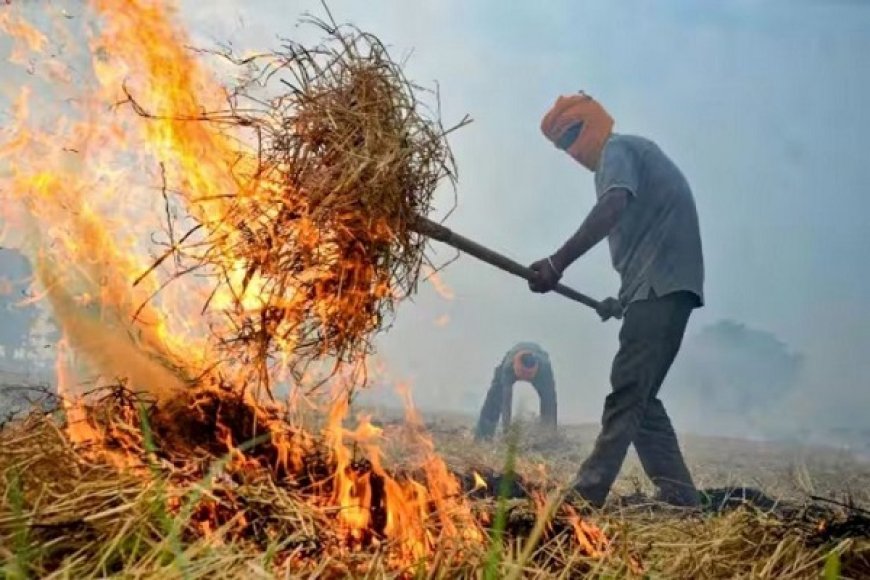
(447, 236)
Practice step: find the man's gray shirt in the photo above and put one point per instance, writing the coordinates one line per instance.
(656, 246)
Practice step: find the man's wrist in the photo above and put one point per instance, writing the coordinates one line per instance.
(558, 263)
(553, 266)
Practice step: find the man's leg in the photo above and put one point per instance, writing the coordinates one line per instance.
(491, 411)
(635, 370)
(548, 409)
(645, 352)
(656, 442)
(662, 460)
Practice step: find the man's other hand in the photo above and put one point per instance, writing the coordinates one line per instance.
(609, 308)
(546, 277)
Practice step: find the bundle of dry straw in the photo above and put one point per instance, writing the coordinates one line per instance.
(318, 244)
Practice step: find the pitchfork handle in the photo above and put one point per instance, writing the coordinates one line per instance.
(444, 234)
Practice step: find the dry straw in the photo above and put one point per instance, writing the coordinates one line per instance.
(318, 244)
(177, 496)
(206, 513)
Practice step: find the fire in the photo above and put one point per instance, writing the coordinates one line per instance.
(408, 520)
(439, 284)
(590, 537)
(83, 183)
(67, 172)
(352, 493)
(32, 38)
(592, 540)
(479, 482)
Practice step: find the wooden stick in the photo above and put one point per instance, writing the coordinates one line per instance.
(445, 235)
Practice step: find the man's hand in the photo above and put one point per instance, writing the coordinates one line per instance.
(609, 308)
(546, 276)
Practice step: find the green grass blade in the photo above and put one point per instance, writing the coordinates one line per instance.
(832, 566)
(494, 554)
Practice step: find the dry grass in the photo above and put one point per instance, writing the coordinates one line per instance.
(782, 470)
(194, 513)
(338, 156)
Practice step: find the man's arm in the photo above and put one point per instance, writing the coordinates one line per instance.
(600, 221)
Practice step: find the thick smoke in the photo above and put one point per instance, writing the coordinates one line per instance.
(729, 378)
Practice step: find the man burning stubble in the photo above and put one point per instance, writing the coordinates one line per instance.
(646, 210)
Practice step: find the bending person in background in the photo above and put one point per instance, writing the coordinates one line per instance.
(524, 362)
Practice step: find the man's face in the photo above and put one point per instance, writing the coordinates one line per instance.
(528, 360)
(570, 135)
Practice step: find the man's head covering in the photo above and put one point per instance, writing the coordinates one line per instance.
(579, 125)
(525, 365)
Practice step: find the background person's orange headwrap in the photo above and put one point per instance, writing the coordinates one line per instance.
(522, 370)
(594, 123)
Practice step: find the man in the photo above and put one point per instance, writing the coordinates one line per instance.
(524, 362)
(646, 210)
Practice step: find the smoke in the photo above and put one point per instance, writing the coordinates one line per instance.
(17, 319)
(734, 380)
(731, 379)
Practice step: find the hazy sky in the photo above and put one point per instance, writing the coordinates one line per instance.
(763, 105)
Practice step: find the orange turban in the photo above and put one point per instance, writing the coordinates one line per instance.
(595, 125)
(523, 372)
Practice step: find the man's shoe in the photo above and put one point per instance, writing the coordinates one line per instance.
(581, 503)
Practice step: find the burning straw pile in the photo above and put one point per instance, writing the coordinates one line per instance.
(132, 500)
(319, 243)
(140, 493)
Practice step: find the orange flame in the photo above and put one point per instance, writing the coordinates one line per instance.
(590, 537)
(408, 522)
(479, 482)
(80, 183)
(438, 283)
(70, 188)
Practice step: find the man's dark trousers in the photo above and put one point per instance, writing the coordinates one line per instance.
(649, 340)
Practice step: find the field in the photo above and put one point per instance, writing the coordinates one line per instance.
(783, 470)
(70, 513)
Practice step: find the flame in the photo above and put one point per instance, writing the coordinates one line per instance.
(409, 523)
(479, 482)
(80, 183)
(438, 283)
(589, 537)
(83, 179)
(73, 190)
(79, 428)
(30, 38)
